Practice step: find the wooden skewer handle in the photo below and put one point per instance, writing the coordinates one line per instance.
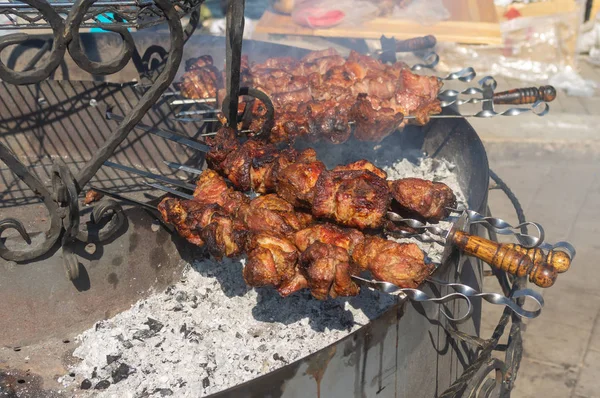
(557, 259)
(506, 258)
(522, 96)
(416, 44)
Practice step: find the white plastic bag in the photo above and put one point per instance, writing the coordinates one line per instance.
(426, 12)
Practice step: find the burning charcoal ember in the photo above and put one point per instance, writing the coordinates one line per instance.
(143, 334)
(112, 358)
(154, 325)
(120, 373)
(86, 384)
(181, 296)
(102, 385)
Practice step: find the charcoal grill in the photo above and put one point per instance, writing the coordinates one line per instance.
(409, 351)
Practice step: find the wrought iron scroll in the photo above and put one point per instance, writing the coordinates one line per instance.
(475, 380)
(62, 200)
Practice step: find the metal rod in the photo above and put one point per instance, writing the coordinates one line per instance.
(170, 190)
(179, 166)
(233, 56)
(193, 120)
(123, 198)
(192, 101)
(153, 176)
(168, 135)
(196, 112)
(21, 5)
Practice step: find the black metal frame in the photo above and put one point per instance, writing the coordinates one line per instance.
(61, 200)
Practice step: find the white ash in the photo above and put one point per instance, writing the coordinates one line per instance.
(210, 331)
(437, 170)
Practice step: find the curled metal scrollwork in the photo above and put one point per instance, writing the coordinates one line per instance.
(102, 209)
(51, 236)
(74, 20)
(62, 202)
(57, 53)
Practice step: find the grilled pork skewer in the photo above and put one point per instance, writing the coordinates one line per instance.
(285, 248)
(323, 91)
(264, 216)
(355, 195)
(321, 77)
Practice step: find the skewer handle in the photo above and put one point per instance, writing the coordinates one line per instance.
(557, 259)
(528, 95)
(416, 44)
(506, 258)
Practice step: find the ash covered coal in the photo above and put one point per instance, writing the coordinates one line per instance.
(210, 331)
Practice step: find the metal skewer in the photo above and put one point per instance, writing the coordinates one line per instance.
(147, 174)
(168, 135)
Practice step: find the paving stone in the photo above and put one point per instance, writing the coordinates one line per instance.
(536, 379)
(588, 384)
(595, 340)
(550, 341)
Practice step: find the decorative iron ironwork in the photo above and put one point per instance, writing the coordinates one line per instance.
(105, 14)
(62, 200)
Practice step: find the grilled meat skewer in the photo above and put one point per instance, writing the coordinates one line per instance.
(355, 195)
(319, 95)
(290, 253)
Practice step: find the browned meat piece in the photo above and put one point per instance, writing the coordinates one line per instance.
(92, 196)
(362, 165)
(222, 144)
(297, 96)
(286, 63)
(290, 124)
(200, 62)
(314, 55)
(429, 200)
(271, 214)
(328, 120)
(211, 188)
(237, 164)
(327, 271)
(295, 183)
(276, 81)
(297, 283)
(271, 261)
(353, 198)
(264, 170)
(371, 64)
(224, 236)
(417, 95)
(201, 82)
(330, 234)
(187, 216)
(371, 124)
(398, 263)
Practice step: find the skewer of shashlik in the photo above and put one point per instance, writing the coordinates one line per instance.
(286, 248)
(355, 195)
(323, 94)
